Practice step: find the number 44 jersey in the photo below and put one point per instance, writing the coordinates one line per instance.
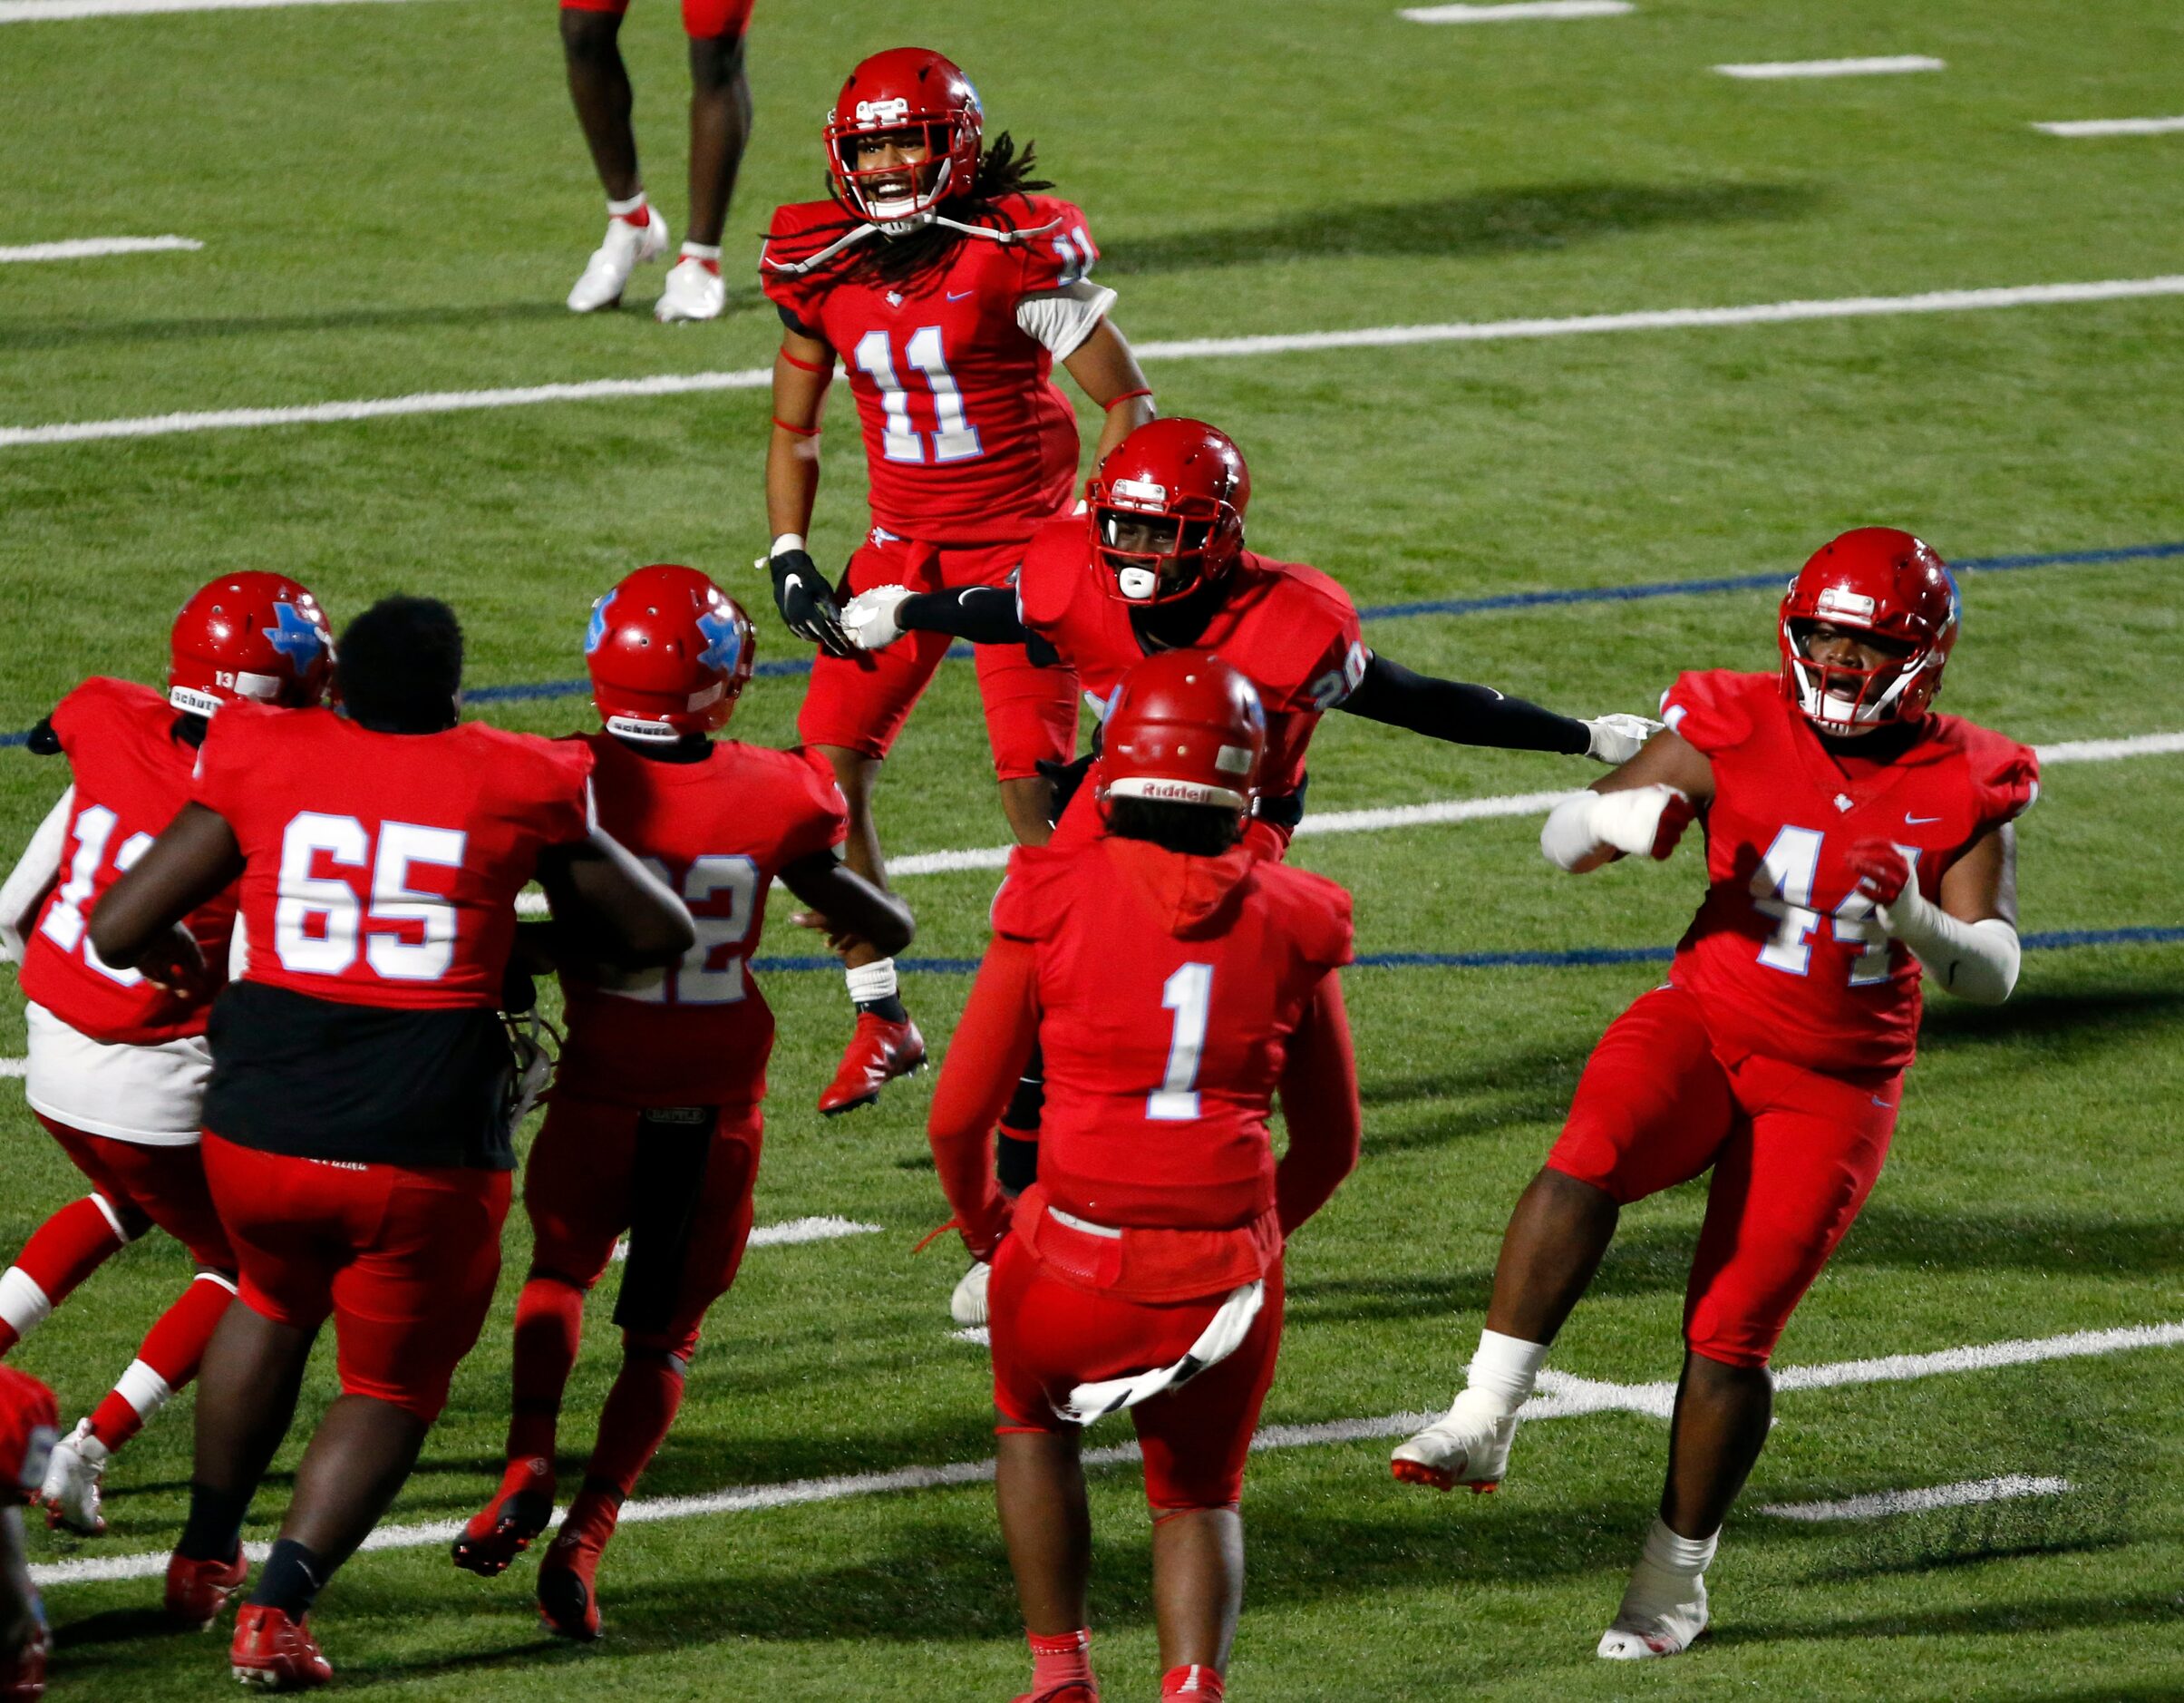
(1786, 955)
(967, 437)
(697, 1033)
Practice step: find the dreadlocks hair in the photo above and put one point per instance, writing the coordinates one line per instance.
(1199, 831)
(899, 262)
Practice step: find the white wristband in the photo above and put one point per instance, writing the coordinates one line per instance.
(786, 543)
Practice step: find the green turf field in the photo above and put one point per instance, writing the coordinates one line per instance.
(393, 199)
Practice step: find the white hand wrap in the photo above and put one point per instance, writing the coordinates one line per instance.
(870, 618)
(1973, 960)
(1619, 738)
(1627, 822)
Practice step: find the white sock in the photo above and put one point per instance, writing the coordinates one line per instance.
(1686, 1557)
(702, 251)
(143, 1389)
(22, 1304)
(1506, 1367)
(871, 981)
(623, 210)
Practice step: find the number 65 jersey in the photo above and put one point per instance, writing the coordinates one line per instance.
(1785, 954)
(697, 1033)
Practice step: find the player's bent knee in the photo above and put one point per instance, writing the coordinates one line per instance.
(1162, 1516)
(1591, 1163)
(678, 1349)
(558, 1273)
(589, 29)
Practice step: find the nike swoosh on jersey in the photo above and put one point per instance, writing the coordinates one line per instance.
(1918, 821)
(957, 296)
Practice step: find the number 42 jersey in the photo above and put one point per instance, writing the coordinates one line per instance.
(699, 1032)
(1785, 954)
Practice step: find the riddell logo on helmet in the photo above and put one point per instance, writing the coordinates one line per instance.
(1174, 792)
(883, 112)
(1852, 604)
(1142, 492)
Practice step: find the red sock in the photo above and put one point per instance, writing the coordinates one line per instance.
(1196, 1681)
(550, 1323)
(639, 1409)
(167, 1360)
(1061, 1661)
(62, 1252)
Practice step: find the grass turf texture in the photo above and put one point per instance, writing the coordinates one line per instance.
(395, 200)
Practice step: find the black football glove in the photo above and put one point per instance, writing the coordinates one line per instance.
(1067, 778)
(807, 602)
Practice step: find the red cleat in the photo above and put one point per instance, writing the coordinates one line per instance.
(22, 1671)
(504, 1528)
(197, 1590)
(275, 1649)
(568, 1599)
(879, 1051)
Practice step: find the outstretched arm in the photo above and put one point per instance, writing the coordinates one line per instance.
(1319, 1099)
(1461, 713)
(1639, 809)
(986, 1058)
(851, 906)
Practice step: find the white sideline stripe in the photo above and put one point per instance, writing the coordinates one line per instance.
(2114, 127)
(1520, 9)
(1887, 65)
(15, 1066)
(1197, 348)
(2009, 1487)
(56, 11)
(791, 1231)
(92, 247)
(1562, 1397)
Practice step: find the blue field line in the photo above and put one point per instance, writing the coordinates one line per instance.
(1579, 957)
(1443, 605)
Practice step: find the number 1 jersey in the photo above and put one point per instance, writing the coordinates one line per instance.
(1785, 954)
(966, 438)
(698, 1032)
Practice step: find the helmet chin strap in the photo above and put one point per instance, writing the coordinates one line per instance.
(904, 226)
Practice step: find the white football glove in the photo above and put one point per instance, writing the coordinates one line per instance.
(869, 620)
(1617, 738)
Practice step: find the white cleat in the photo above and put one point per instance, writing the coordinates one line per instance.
(624, 249)
(695, 291)
(70, 1495)
(967, 1306)
(1663, 1613)
(1469, 1446)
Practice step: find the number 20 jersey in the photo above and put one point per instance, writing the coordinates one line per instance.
(967, 440)
(131, 775)
(1785, 954)
(697, 1033)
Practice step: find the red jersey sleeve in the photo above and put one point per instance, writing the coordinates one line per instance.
(798, 232)
(1711, 708)
(1034, 893)
(822, 821)
(1062, 252)
(74, 715)
(2005, 777)
(233, 741)
(1051, 578)
(561, 811)
(1317, 915)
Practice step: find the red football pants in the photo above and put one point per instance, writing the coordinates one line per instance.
(403, 1259)
(147, 1185)
(703, 20)
(590, 1177)
(1049, 1335)
(1794, 1154)
(861, 703)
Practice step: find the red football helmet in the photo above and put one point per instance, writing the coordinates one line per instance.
(259, 636)
(905, 88)
(1885, 583)
(1184, 727)
(668, 652)
(1180, 470)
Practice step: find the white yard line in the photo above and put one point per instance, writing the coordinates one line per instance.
(1562, 1397)
(2010, 1487)
(791, 1231)
(57, 10)
(2114, 127)
(1890, 65)
(15, 1066)
(96, 248)
(1518, 10)
(1198, 348)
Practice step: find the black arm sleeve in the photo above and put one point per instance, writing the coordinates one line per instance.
(1462, 714)
(42, 741)
(986, 615)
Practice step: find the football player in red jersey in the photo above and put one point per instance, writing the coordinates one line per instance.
(357, 1122)
(948, 286)
(29, 1426)
(653, 1126)
(1853, 838)
(720, 126)
(1160, 563)
(1177, 983)
(118, 1065)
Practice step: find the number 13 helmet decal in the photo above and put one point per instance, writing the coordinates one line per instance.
(1879, 582)
(252, 635)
